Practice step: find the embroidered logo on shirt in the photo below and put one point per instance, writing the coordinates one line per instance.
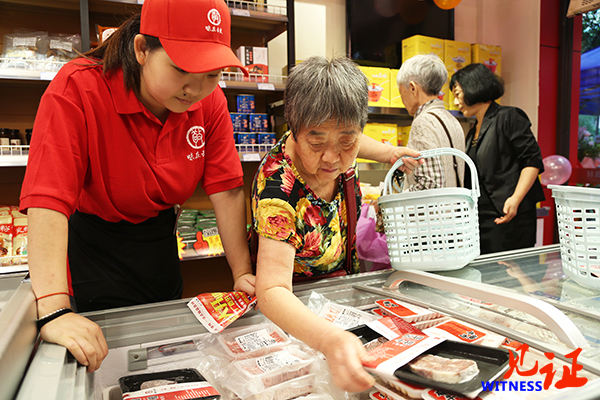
(214, 17)
(195, 137)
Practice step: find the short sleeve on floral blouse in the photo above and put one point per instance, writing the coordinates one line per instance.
(275, 219)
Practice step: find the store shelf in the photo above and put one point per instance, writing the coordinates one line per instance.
(237, 80)
(12, 269)
(16, 156)
(395, 113)
(11, 68)
(253, 152)
(13, 156)
(193, 255)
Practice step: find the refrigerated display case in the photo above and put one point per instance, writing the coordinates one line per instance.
(522, 295)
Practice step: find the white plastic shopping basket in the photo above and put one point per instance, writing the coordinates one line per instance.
(578, 218)
(435, 229)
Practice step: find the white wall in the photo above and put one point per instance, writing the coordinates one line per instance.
(512, 24)
(320, 30)
(515, 26)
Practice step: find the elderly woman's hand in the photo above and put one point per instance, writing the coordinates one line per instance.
(344, 353)
(408, 158)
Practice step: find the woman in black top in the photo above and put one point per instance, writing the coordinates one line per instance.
(507, 157)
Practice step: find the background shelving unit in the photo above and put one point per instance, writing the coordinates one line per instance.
(253, 24)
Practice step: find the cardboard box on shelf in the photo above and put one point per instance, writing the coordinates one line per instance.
(420, 44)
(379, 85)
(488, 55)
(385, 133)
(403, 134)
(456, 56)
(256, 60)
(395, 98)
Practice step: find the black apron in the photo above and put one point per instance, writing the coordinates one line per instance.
(119, 264)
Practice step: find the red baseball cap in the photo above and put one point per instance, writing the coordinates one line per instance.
(196, 34)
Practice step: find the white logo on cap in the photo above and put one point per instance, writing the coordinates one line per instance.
(195, 137)
(214, 17)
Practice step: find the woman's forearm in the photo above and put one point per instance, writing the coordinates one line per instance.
(48, 232)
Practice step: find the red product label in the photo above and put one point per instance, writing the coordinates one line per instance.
(181, 391)
(461, 331)
(392, 348)
(379, 396)
(513, 344)
(6, 228)
(218, 310)
(394, 308)
(434, 394)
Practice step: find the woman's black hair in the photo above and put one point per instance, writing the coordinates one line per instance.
(118, 52)
(478, 83)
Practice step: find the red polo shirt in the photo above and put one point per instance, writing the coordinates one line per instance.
(97, 149)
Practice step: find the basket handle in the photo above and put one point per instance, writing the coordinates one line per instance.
(552, 317)
(442, 151)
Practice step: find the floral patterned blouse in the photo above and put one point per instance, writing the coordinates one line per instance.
(284, 208)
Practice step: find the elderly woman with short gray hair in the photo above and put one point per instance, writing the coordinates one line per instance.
(420, 81)
(300, 209)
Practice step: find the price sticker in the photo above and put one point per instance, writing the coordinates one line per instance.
(47, 76)
(250, 157)
(265, 86)
(241, 13)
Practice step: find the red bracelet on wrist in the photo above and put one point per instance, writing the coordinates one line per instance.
(52, 294)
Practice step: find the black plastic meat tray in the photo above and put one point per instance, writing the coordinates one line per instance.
(364, 333)
(132, 383)
(492, 363)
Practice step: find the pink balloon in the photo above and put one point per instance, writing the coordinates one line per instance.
(557, 170)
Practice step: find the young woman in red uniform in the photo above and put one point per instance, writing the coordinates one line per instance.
(121, 137)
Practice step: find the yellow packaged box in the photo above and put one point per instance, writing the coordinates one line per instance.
(488, 55)
(403, 134)
(395, 98)
(456, 55)
(379, 85)
(385, 133)
(420, 44)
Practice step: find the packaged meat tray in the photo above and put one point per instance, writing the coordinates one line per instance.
(394, 389)
(343, 316)
(406, 389)
(253, 341)
(406, 311)
(257, 374)
(491, 363)
(168, 385)
(132, 383)
(453, 329)
(287, 390)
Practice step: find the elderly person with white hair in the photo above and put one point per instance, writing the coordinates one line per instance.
(420, 81)
(300, 210)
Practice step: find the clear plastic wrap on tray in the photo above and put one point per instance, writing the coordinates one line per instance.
(291, 389)
(342, 316)
(254, 375)
(289, 368)
(253, 341)
(406, 311)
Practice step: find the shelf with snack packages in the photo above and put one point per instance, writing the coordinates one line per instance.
(29, 69)
(16, 156)
(13, 239)
(255, 81)
(198, 235)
